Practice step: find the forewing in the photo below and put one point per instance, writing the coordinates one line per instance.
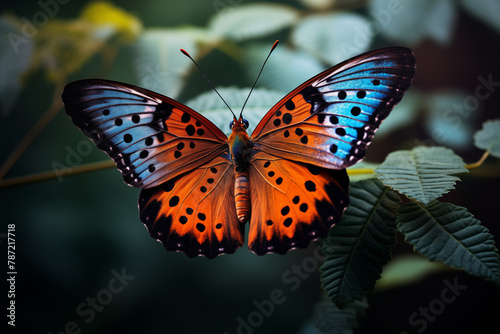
(330, 119)
(151, 137)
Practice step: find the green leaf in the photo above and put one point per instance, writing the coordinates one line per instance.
(409, 22)
(422, 173)
(485, 10)
(285, 70)
(211, 106)
(243, 22)
(403, 114)
(329, 319)
(407, 269)
(15, 55)
(320, 4)
(449, 123)
(158, 63)
(449, 233)
(358, 247)
(488, 138)
(334, 37)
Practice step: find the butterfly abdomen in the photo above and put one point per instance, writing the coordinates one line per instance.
(242, 195)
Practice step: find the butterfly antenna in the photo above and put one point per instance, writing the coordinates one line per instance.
(189, 56)
(258, 76)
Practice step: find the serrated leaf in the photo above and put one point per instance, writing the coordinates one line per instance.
(212, 107)
(358, 247)
(449, 233)
(333, 37)
(243, 22)
(158, 63)
(409, 22)
(488, 138)
(329, 319)
(423, 173)
(285, 70)
(485, 10)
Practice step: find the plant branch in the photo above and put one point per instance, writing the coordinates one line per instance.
(49, 175)
(94, 166)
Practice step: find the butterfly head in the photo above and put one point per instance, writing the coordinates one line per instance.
(239, 141)
(239, 123)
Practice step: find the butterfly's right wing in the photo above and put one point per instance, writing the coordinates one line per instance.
(151, 137)
(329, 120)
(292, 203)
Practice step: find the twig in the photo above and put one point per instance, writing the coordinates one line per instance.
(479, 162)
(44, 176)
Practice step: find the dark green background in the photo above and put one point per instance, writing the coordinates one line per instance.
(71, 234)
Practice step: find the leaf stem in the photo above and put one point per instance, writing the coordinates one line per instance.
(479, 162)
(360, 171)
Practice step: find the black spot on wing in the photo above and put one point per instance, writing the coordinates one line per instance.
(162, 113)
(313, 97)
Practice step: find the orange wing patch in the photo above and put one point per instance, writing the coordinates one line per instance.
(292, 203)
(195, 212)
(294, 134)
(293, 111)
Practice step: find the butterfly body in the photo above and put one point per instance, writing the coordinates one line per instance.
(287, 179)
(241, 151)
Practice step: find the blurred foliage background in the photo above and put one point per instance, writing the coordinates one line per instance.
(73, 232)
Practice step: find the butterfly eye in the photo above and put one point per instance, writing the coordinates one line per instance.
(245, 123)
(231, 125)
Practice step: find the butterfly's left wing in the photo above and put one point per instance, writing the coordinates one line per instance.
(151, 138)
(330, 119)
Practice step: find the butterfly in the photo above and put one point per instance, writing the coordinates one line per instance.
(288, 178)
